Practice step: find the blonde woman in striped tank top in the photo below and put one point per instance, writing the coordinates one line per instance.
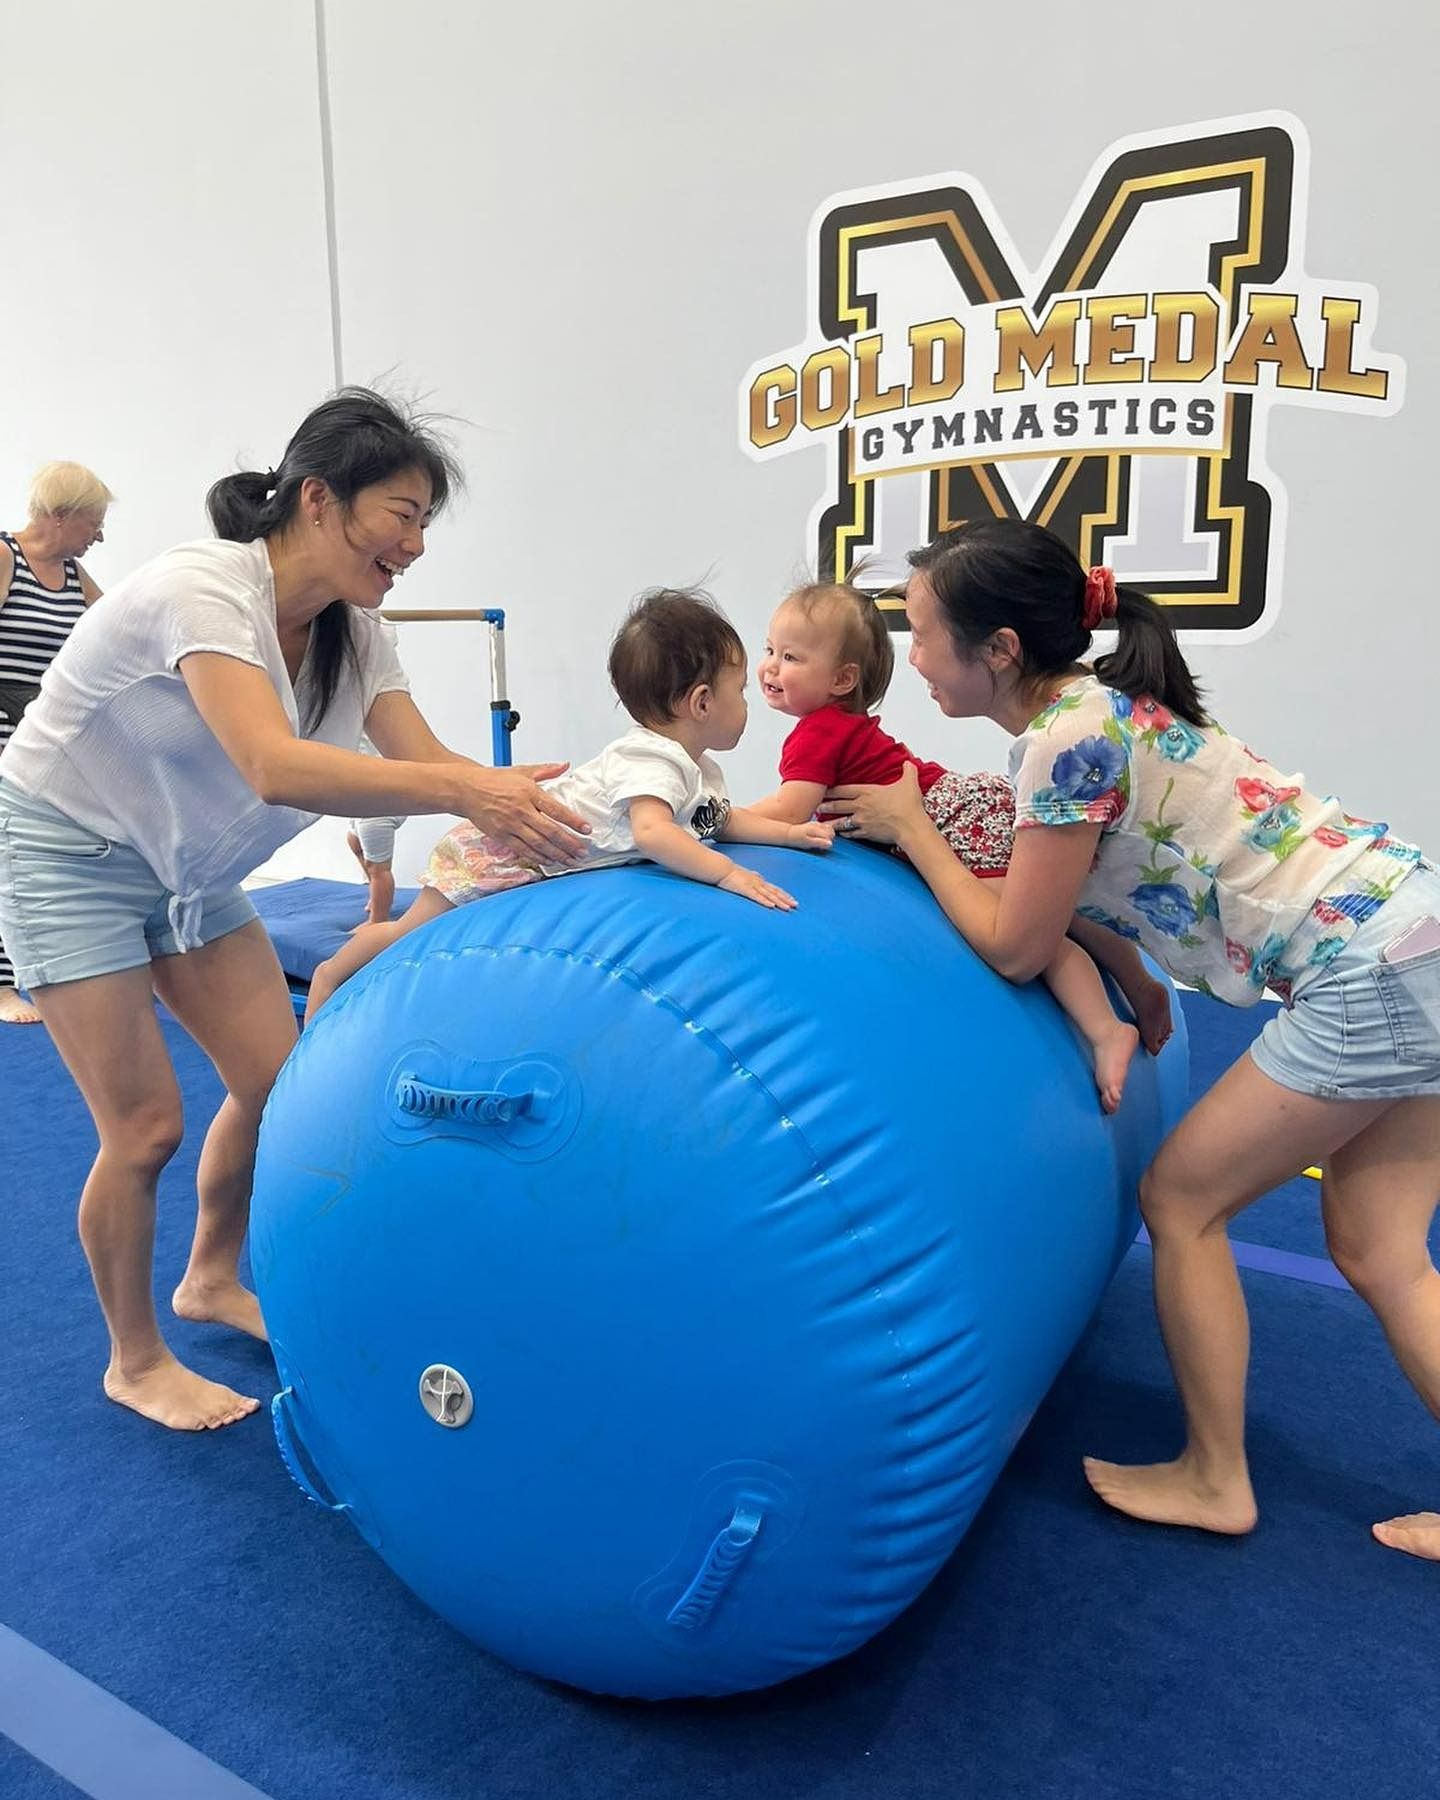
(43, 591)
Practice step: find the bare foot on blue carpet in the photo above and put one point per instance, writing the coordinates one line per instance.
(224, 1303)
(15, 1009)
(177, 1397)
(1173, 1494)
(1417, 1534)
(1113, 1053)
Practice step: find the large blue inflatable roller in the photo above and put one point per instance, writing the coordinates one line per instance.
(659, 1283)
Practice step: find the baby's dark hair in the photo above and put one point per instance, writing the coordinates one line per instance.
(673, 640)
(992, 573)
(864, 637)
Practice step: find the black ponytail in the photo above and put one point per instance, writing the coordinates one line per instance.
(1147, 659)
(350, 441)
(241, 508)
(996, 574)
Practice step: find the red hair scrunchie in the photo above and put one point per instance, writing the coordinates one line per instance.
(1101, 600)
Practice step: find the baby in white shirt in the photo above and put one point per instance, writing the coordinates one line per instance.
(656, 794)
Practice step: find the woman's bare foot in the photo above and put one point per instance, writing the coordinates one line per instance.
(1173, 1494)
(1113, 1053)
(173, 1395)
(224, 1303)
(1418, 1534)
(1151, 1002)
(15, 1009)
(381, 880)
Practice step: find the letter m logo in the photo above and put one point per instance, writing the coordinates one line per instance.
(1197, 518)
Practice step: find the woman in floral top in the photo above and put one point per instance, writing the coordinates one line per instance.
(1138, 811)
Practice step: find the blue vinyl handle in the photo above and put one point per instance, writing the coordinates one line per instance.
(696, 1606)
(291, 1460)
(476, 1106)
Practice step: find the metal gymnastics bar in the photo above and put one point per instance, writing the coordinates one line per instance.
(503, 717)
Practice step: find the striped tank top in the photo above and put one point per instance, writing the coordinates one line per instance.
(35, 620)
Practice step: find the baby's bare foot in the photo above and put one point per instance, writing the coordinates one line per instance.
(220, 1303)
(1152, 1015)
(15, 1009)
(175, 1396)
(1113, 1053)
(1173, 1494)
(1418, 1534)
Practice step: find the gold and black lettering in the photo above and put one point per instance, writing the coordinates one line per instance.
(1112, 358)
(869, 399)
(1338, 375)
(1047, 349)
(1269, 336)
(926, 387)
(1172, 311)
(772, 406)
(825, 402)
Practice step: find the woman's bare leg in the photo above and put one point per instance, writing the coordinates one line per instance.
(1243, 1138)
(232, 998)
(1379, 1194)
(105, 1029)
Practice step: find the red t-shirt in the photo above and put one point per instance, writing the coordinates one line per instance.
(836, 747)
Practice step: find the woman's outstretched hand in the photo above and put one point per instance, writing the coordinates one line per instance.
(882, 814)
(511, 805)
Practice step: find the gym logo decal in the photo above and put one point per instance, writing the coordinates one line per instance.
(1119, 396)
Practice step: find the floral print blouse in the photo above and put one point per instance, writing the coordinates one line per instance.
(1230, 874)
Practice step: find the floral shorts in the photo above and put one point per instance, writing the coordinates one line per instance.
(467, 864)
(975, 814)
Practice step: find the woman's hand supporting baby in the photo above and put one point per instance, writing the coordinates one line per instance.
(511, 805)
(890, 814)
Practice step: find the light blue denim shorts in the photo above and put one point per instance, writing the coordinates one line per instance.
(1366, 1029)
(72, 904)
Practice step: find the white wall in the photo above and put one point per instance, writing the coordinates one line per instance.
(164, 308)
(601, 223)
(576, 227)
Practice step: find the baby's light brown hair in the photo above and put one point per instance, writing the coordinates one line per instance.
(864, 637)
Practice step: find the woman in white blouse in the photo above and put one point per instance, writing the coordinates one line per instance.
(209, 711)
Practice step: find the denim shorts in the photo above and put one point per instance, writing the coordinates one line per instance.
(1366, 1029)
(72, 904)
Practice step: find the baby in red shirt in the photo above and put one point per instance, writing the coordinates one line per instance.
(827, 662)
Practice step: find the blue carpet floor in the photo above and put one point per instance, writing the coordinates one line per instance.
(22, 1778)
(1062, 1652)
